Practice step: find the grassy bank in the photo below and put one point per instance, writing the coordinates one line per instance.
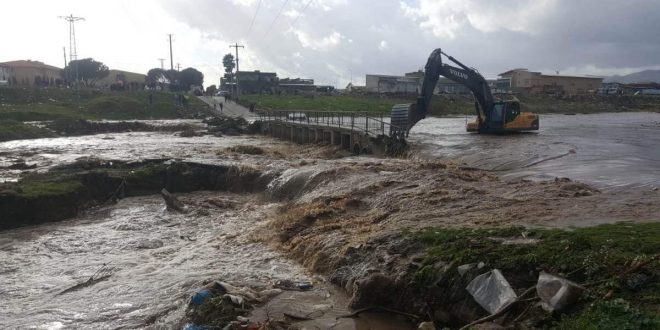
(50, 104)
(16, 130)
(620, 294)
(455, 104)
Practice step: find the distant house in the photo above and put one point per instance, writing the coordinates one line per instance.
(350, 88)
(295, 85)
(123, 80)
(535, 82)
(386, 84)
(31, 73)
(256, 82)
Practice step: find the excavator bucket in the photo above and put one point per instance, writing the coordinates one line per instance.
(400, 120)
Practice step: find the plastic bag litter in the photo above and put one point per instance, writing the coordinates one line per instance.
(491, 291)
(556, 292)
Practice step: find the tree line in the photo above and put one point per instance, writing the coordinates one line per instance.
(88, 71)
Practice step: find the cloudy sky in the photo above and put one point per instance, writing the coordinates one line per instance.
(334, 40)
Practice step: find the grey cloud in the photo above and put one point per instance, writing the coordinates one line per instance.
(569, 34)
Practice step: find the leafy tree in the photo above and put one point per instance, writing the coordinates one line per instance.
(88, 71)
(211, 90)
(156, 76)
(172, 77)
(190, 77)
(229, 64)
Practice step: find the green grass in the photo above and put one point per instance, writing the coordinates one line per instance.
(597, 255)
(600, 251)
(57, 187)
(608, 315)
(454, 104)
(16, 130)
(51, 104)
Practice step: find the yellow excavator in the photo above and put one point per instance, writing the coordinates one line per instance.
(493, 116)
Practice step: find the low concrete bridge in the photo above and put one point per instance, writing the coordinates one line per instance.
(358, 132)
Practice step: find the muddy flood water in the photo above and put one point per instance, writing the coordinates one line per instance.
(156, 259)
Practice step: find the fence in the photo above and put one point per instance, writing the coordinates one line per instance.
(363, 122)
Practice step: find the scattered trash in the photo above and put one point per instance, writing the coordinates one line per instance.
(463, 269)
(236, 300)
(491, 291)
(200, 297)
(192, 326)
(556, 293)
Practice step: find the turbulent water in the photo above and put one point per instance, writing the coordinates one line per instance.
(155, 259)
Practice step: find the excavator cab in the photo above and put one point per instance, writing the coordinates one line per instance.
(505, 116)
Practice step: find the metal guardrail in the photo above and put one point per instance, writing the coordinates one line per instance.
(355, 121)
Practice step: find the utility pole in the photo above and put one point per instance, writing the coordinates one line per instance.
(64, 50)
(178, 67)
(237, 46)
(162, 63)
(73, 51)
(171, 58)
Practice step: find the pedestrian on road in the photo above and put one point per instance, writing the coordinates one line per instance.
(225, 97)
(220, 106)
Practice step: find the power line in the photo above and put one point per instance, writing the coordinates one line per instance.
(301, 13)
(276, 17)
(253, 18)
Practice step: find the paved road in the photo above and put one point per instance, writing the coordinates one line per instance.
(230, 108)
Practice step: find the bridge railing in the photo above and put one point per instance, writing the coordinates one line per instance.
(355, 121)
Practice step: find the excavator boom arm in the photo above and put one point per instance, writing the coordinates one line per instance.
(462, 74)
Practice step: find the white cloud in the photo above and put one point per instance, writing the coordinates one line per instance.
(447, 18)
(323, 44)
(382, 45)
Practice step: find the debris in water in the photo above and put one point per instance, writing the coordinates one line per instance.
(172, 202)
(101, 274)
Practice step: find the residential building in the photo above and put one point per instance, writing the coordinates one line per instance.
(4, 74)
(123, 80)
(295, 85)
(252, 82)
(387, 84)
(535, 82)
(32, 73)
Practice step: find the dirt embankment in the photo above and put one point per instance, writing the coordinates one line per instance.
(394, 233)
(67, 190)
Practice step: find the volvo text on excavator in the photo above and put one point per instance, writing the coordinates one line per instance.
(493, 116)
